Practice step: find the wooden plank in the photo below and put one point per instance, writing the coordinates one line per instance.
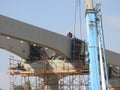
(47, 72)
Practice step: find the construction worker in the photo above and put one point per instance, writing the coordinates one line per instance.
(69, 34)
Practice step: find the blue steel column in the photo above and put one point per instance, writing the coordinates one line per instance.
(93, 50)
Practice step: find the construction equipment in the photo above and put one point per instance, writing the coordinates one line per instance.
(96, 47)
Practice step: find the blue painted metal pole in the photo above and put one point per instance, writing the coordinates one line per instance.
(93, 51)
(92, 46)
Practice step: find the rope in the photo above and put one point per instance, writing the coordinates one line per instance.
(78, 8)
(75, 18)
(80, 19)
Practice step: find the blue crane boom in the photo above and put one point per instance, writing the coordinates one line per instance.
(93, 49)
(97, 65)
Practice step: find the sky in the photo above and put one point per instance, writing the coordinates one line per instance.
(58, 16)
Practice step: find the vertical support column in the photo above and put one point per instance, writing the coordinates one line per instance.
(36, 82)
(11, 82)
(52, 82)
(11, 63)
(45, 82)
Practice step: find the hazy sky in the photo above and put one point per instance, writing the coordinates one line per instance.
(58, 16)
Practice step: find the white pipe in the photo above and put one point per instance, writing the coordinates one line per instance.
(103, 87)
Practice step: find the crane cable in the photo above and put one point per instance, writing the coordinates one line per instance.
(77, 7)
(80, 28)
(75, 18)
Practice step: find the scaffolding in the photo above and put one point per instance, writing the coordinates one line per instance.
(66, 79)
(114, 76)
(62, 77)
(40, 73)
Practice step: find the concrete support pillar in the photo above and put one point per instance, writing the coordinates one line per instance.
(50, 82)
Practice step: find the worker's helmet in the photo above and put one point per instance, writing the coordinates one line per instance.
(69, 31)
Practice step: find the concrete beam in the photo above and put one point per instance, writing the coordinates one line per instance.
(15, 46)
(33, 34)
(113, 58)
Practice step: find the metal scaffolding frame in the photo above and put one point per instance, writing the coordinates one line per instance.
(68, 78)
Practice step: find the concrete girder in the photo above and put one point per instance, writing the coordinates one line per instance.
(28, 33)
(113, 58)
(15, 46)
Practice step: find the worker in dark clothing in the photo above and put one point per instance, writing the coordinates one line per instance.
(69, 34)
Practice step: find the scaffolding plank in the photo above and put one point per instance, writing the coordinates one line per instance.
(41, 72)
